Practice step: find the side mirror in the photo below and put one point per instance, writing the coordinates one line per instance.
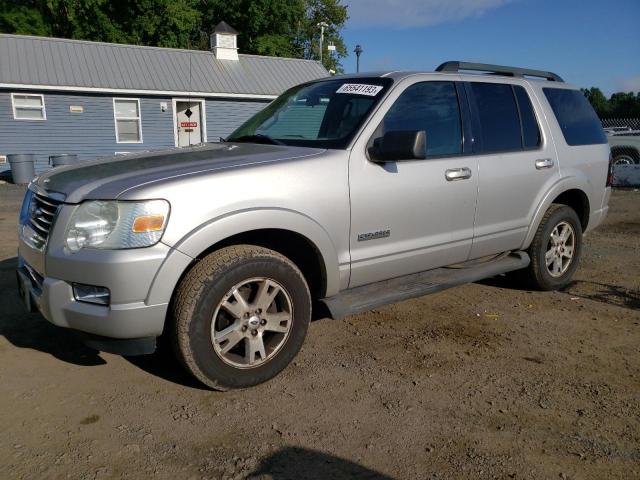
(400, 145)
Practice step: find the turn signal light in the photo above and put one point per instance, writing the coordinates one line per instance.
(148, 223)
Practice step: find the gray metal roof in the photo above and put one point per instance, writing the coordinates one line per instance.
(82, 65)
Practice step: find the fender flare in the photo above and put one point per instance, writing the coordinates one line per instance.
(577, 182)
(218, 229)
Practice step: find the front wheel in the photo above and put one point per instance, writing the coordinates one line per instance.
(555, 250)
(240, 316)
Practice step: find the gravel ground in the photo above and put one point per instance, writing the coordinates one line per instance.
(482, 381)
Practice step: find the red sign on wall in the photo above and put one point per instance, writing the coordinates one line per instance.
(188, 124)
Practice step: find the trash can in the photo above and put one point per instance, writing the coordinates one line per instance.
(61, 159)
(22, 167)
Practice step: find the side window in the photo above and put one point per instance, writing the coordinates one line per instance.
(530, 129)
(499, 119)
(432, 107)
(579, 123)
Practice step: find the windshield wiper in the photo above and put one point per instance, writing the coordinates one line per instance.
(256, 138)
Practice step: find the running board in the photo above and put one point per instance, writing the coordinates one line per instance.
(367, 297)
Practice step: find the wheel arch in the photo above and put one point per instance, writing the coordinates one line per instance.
(293, 245)
(292, 234)
(578, 201)
(568, 194)
(630, 150)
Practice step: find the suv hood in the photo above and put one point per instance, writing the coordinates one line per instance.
(109, 178)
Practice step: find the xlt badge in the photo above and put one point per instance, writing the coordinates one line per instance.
(362, 237)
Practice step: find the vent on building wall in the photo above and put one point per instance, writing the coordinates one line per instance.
(224, 42)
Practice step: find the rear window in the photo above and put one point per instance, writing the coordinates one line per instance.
(579, 123)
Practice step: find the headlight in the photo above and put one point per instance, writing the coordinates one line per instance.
(117, 225)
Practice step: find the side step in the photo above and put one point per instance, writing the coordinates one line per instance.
(367, 297)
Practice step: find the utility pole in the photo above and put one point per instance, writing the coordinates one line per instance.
(322, 26)
(358, 51)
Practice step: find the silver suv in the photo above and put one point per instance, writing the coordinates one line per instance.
(352, 192)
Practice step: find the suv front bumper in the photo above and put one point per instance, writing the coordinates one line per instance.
(46, 278)
(53, 298)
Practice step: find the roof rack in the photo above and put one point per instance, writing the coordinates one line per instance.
(498, 70)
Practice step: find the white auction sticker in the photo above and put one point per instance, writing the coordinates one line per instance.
(360, 89)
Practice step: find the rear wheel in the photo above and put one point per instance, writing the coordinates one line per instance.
(240, 316)
(555, 250)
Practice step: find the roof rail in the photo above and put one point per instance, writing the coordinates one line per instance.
(498, 70)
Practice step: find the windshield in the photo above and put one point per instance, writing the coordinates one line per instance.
(324, 114)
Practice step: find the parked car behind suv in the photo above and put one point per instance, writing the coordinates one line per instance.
(625, 147)
(356, 191)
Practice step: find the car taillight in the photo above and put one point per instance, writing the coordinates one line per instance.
(610, 171)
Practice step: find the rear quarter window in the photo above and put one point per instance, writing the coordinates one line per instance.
(578, 121)
(530, 130)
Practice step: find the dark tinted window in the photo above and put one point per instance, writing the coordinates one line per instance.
(432, 107)
(499, 121)
(579, 123)
(530, 130)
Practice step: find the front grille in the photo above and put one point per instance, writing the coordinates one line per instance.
(42, 211)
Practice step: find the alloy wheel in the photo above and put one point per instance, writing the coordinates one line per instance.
(560, 249)
(252, 322)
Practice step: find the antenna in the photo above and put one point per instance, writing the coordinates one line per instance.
(189, 95)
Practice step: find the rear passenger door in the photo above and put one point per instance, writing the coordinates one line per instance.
(516, 160)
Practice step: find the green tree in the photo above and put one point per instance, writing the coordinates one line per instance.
(285, 28)
(625, 105)
(282, 28)
(266, 26)
(24, 17)
(598, 101)
(619, 105)
(308, 38)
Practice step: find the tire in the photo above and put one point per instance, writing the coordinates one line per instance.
(543, 248)
(230, 303)
(624, 159)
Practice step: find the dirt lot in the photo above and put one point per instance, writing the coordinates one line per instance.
(483, 381)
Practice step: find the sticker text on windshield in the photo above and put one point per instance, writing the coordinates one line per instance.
(360, 89)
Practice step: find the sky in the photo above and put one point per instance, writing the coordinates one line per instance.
(588, 43)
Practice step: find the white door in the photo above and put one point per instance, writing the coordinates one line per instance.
(189, 123)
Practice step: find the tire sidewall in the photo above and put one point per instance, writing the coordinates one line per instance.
(216, 286)
(546, 280)
(628, 160)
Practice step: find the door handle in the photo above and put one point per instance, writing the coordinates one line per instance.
(457, 174)
(544, 163)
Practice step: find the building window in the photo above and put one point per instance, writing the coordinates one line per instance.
(28, 106)
(126, 113)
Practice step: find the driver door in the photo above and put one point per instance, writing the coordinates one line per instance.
(409, 216)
